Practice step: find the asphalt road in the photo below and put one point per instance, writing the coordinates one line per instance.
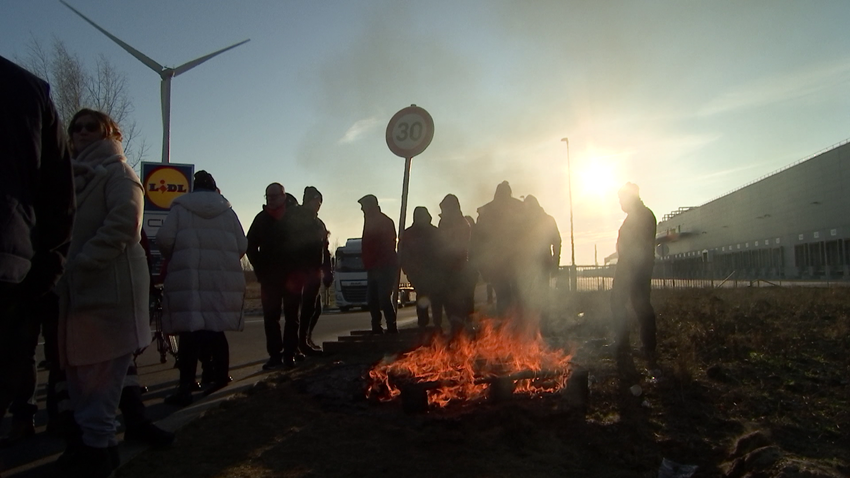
(34, 457)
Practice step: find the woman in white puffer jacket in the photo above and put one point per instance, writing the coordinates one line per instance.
(204, 287)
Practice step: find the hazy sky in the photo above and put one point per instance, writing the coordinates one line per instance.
(689, 100)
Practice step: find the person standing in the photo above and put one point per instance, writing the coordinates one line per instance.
(315, 265)
(541, 256)
(381, 263)
(37, 212)
(204, 288)
(497, 233)
(454, 266)
(418, 257)
(633, 276)
(104, 314)
(264, 254)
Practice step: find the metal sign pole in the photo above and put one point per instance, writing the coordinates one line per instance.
(401, 224)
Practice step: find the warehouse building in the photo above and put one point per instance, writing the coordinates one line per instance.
(792, 224)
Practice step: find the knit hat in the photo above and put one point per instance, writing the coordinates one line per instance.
(311, 193)
(204, 181)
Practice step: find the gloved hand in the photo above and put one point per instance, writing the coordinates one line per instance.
(328, 279)
(46, 269)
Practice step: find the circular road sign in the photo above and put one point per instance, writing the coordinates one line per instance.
(410, 131)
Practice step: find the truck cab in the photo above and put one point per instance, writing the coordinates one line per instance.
(350, 275)
(350, 278)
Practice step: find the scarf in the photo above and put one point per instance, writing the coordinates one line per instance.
(96, 155)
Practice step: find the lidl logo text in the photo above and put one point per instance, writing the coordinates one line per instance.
(165, 184)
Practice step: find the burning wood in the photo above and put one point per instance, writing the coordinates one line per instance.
(465, 368)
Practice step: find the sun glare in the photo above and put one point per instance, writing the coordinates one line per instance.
(596, 176)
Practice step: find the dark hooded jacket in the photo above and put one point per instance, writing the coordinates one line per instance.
(636, 239)
(36, 186)
(418, 250)
(455, 234)
(542, 239)
(497, 232)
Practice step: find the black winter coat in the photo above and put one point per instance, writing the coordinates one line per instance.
(37, 201)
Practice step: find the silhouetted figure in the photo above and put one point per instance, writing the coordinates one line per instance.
(381, 263)
(541, 254)
(633, 276)
(496, 235)
(418, 257)
(455, 235)
(307, 245)
(471, 278)
(36, 213)
(264, 252)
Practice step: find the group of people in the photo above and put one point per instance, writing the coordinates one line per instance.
(514, 245)
(75, 267)
(288, 248)
(73, 261)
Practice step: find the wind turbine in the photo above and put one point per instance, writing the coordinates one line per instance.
(164, 72)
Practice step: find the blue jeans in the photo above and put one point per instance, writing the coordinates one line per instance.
(95, 392)
(379, 292)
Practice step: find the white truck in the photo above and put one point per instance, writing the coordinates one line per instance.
(350, 278)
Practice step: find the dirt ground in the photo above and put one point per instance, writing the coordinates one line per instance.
(752, 382)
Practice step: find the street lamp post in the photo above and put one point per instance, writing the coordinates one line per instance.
(573, 278)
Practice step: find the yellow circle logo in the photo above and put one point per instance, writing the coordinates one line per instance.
(164, 184)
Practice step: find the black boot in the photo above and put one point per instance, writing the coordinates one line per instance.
(182, 398)
(85, 462)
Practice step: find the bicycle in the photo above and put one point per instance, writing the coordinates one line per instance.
(165, 343)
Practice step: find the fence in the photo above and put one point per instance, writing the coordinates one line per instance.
(596, 278)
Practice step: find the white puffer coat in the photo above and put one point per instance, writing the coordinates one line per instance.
(104, 292)
(204, 287)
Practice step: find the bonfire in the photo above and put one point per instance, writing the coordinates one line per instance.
(463, 368)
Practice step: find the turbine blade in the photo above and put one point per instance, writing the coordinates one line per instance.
(189, 65)
(136, 53)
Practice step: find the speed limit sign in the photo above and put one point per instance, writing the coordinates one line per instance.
(410, 131)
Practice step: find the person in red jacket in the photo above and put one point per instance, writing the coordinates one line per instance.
(381, 263)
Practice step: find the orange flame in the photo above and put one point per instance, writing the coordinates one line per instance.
(460, 369)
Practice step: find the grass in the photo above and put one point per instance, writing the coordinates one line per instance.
(754, 382)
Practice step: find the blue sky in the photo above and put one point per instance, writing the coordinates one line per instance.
(689, 100)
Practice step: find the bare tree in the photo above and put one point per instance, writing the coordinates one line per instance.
(73, 86)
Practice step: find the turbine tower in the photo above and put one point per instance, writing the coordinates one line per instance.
(164, 72)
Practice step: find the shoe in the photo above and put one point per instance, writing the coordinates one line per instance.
(309, 351)
(20, 431)
(377, 331)
(216, 386)
(299, 357)
(114, 457)
(209, 381)
(392, 329)
(288, 362)
(150, 434)
(86, 461)
(273, 363)
(313, 344)
(182, 398)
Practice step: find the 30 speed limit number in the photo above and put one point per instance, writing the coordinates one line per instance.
(410, 131)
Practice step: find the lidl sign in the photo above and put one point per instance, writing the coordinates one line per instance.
(165, 182)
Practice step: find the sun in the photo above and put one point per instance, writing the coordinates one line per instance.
(597, 177)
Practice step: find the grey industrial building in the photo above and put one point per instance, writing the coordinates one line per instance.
(792, 224)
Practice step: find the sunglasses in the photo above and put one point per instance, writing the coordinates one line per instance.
(90, 127)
